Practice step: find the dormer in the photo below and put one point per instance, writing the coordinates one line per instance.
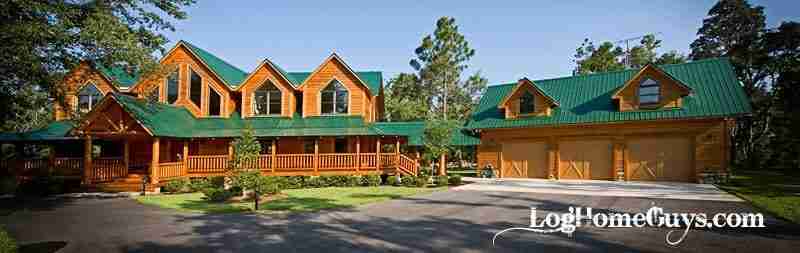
(334, 89)
(526, 99)
(82, 89)
(267, 92)
(651, 88)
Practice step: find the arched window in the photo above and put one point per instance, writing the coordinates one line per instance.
(267, 100)
(649, 91)
(88, 97)
(526, 103)
(214, 103)
(172, 87)
(334, 98)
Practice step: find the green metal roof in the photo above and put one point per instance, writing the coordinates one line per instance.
(118, 76)
(587, 99)
(373, 79)
(415, 132)
(231, 75)
(54, 131)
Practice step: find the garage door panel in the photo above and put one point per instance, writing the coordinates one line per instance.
(659, 159)
(524, 160)
(585, 159)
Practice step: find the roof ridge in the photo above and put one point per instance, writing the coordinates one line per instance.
(217, 58)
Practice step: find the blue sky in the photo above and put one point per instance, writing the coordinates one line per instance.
(512, 39)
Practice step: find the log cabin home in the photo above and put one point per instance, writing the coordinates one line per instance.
(659, 123)
(180, 122)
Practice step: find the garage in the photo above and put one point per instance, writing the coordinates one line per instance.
(659, 159)
(524, 160)
(585, 159)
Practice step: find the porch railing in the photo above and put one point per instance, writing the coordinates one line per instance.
(69, 166)
(337, 161)
(107, 169)
(294, 162)
(207, 164)
(171, 170)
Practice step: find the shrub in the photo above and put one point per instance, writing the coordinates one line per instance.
(196, 185)
(217, 181)
(408, 181)
(41, 186)
(8, 185)
(353, 181)
(371, 180)
(314, 182)
(7, 244)
(393, 180)
(177, 185)
(440, 181)
(420, 181)
(218, 194)
(455, 180)
(295, 182)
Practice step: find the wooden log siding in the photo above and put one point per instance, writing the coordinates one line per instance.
(171, 170)
(207, 164)
(108, 169)
(337, 161)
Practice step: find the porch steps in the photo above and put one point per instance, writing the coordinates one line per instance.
(131, 183)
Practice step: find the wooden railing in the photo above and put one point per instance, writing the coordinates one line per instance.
(388, 160)
(207, 164)
(294, 162)
(337, 161)
(68, 166)
(261, 162)
(107, 169)
(407, 165)
(368, 160)
(170, 170)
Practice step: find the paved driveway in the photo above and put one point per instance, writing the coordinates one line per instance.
(660, 190)
(453, 220)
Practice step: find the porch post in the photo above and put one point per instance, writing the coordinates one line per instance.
(378, 154)
(397, 151)
(51, 158)
(274, 157)
(154, 161)
(358, 153)
(87, 161)
(316, 156)
(185, 170)
(126, 154)
(442, 165)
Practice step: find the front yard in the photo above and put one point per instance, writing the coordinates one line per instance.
(295, 200)
(774, 192)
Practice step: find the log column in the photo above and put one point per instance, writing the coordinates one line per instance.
(618, 158)
(443, 165)
(358, 153)
(378, 154)
(552, 159)
(154, 160)
(185, 167)
(274, 156)
(126, 157)
(397, 151)
(316, 156)
(87, 161)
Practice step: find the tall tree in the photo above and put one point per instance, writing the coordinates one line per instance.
(734, 29)
(607, 57)
(783, 44)
(44, 39)
(440, 62)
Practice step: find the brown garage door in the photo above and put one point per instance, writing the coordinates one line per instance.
(585, 159)
(659, 159)
(524, 160)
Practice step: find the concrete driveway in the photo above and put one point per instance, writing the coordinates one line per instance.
(659, 190)
(445, 221)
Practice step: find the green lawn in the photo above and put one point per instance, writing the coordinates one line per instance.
(297, 200)
(774, 192)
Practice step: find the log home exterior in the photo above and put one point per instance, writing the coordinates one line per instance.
(180, 122)
(664, 123)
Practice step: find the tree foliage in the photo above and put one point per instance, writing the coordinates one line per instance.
(607, 57)
(42, 40)
(245, 150)
(437, 137)
(440, 62)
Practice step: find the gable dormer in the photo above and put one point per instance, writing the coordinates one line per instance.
(267, 92)
(651, 88)
(335, 89)
(527, 99)
(82, 89)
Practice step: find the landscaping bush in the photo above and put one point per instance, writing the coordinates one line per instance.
(7, 244)
(177, 186)
(41, 186)
(217, 181)
(420, 181)
(353, 181)
(455, 180)
(295, 182)
(196, 185)
(8, 185)
(408, 181)
(440, 181)
(393, 180)
(315, 182)
(218, 194)
(371, 180)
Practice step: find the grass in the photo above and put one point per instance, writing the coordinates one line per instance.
(774, 192)
(296, 200)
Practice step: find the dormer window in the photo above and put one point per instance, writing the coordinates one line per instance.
(267, 100)
(649, 92)
(88, 97)
(334, 98)
(526, 103)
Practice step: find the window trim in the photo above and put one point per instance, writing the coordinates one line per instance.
(221, 103)
(349, 98)
(254, 102)
(92, 103)
(533, 103)
(657, 94)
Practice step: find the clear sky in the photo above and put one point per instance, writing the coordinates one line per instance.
(512, 39)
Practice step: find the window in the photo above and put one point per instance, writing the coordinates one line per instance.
(334, 98)
(526, 104)
(649, 91)
(267, 100)
(214, 103)
(172, 87)
(195, 87)
(340, 145)
(308, 146)
(266, 146)
(88, 97)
